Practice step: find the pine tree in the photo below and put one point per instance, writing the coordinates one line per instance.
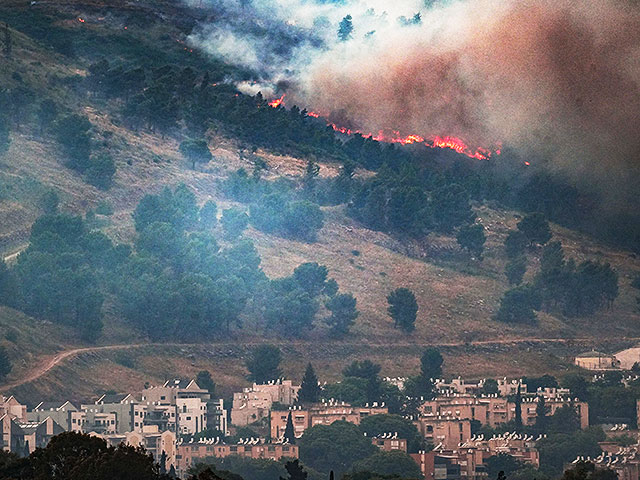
(295, 471)
(289, 433)
(163, 462)
(542, 420)
(309, 390)
(518, 412)
(5, 363)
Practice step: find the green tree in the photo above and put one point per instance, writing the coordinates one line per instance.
(374, 425)
(403, 308)
(101, 170)
(588, 471)
(564, 420)
(515, 270)
(5, 363)
(73, 133)
(5, 138)
(209, 214)
(536, 228)
(431, 364)
(49, 202)
(503, 462)
(204, 380)
(368, 371)
(515, 244)
(47, 113)
(234, 221)
(334, 447)
(518, 305)
(303, 219)
(289, 432)
(311, 277)
(309, 389)
(343, 313)
(542, 415)
(451, 208)
(195, 151)
(490, 387)
(345, 29)
(352, 390)
(264, 364)
(472, 238)
(389, 463)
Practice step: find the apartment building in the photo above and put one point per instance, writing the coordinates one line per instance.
(255, 403)
(23, 437)
(444, 430)
(193, 452)
(493, 410)
(150, 438)
(320, 414)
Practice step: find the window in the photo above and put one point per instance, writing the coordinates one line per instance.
(430, 428)
(188, 418)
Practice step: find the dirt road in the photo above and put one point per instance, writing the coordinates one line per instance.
(49, 363)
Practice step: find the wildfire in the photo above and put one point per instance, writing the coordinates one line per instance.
(278, 101)
(81, 20)
(437, 142)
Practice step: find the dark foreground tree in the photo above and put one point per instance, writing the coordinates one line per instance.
(431, 364)
(343, 313)
(536, 228)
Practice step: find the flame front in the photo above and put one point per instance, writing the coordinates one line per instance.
(436, 142)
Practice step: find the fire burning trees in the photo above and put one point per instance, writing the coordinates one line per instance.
(394, 136)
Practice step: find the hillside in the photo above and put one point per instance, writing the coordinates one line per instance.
(457, 297)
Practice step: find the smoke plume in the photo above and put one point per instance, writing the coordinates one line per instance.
(557, 77)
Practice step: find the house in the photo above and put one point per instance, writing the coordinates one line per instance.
(193, 452)
(594, 360)
(12, 407)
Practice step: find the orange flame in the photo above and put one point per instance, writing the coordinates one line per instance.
(436, 142)
(278, 101)
(81, 20)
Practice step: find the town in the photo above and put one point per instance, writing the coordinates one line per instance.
(460, 426)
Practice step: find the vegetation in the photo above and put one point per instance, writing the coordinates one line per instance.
(264, 364)
(403, 309)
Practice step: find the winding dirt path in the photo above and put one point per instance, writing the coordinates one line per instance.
(49, 363)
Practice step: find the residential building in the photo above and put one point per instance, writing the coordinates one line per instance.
(190, 453)
(128, 413)
(38, 434)
(195, 409)
(467, 461)
(65, 414)
(493, 410)
(320, 414)
(389, 442)
(12, 407)
(444, 430)
(255, 403)
(594, 360)
(11, 435)
(151, 438)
